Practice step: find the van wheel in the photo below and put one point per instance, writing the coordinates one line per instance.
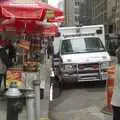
(56, 89)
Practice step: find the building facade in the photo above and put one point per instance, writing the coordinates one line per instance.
(85, 12)
(77, 12)
(76, 6)
(69, 12)
(88, 12)
(117, 18)
(99, 12)
(111, 15)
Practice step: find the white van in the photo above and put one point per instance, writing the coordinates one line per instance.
(80, 54)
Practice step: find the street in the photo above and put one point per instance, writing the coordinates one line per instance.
(82, 101)
(59, 59)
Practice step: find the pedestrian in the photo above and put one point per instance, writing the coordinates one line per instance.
(116, 91)
(4, 64)
(11, 52)
(50, 50)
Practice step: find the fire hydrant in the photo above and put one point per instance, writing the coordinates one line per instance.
(14, 104)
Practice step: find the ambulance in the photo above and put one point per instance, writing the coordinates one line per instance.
(80, 54)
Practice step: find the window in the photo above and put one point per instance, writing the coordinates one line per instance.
(79, 45)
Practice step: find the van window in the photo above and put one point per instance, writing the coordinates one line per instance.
(79, 45)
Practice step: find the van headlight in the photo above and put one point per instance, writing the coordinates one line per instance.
(68, 67)
(105, 65)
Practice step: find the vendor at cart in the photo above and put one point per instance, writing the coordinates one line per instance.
(4, 64)
(11, 52)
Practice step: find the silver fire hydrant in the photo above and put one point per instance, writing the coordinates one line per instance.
(14, 104)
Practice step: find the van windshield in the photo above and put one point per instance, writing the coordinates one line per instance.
(80, 45)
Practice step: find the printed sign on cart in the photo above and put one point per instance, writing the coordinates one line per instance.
(24, 44)
(14, 75)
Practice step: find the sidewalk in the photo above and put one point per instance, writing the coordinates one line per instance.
(23, 116)
(44, 103)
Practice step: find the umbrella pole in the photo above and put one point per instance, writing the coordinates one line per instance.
(24, 37)
(23, 52)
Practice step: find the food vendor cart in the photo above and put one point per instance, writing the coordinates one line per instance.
(29, 67)
(30, 56)
(23, 17)
(24, 21)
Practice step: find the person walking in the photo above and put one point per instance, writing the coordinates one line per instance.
(116, 92)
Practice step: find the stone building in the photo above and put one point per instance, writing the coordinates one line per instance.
(77, 12)
(99, 12)
(111, 15)
(117, 17)
(69, 12)
(87, 15)
(107, 12)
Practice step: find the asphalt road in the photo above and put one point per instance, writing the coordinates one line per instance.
(81, 101)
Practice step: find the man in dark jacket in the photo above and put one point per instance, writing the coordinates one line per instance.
(4, 64)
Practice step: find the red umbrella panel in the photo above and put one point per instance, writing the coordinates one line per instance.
(1, 29)
(22, 9)
(28, 10)
(30, 27)
(49, 30)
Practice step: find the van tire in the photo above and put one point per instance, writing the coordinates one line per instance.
(56, 89)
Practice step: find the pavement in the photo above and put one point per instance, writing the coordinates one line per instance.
(80, 103)
(23, 115)
(44, 102)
